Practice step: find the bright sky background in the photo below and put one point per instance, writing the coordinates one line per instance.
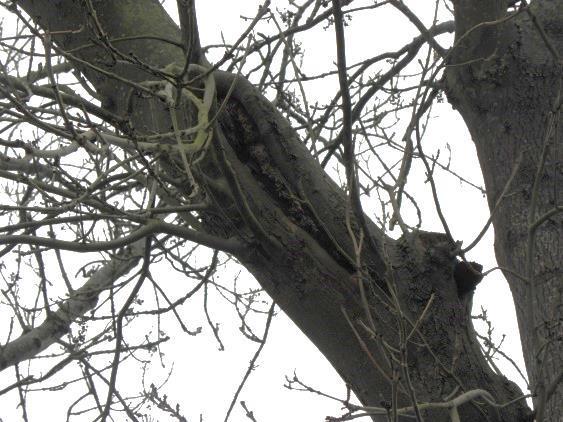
(203, 379)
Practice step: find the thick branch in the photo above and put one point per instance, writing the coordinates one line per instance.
(302, 255)
(82, 300)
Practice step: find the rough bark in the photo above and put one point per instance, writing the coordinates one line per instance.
(509, 94)
(293, 218)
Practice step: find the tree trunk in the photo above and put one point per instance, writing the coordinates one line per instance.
(509, 94)
(293, 218)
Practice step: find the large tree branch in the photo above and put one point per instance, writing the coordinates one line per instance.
(302, 257)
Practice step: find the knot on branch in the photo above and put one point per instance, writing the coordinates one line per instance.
(467, 275)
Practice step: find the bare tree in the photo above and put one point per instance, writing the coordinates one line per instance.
(120, 137)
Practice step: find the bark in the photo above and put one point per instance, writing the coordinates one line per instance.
(509, 94)
(293, 218)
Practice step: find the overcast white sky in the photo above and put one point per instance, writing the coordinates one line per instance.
(203, 379)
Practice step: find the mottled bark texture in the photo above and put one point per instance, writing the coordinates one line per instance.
(293, 215)
(505, 80)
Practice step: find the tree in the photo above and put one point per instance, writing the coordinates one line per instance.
(175, 149)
